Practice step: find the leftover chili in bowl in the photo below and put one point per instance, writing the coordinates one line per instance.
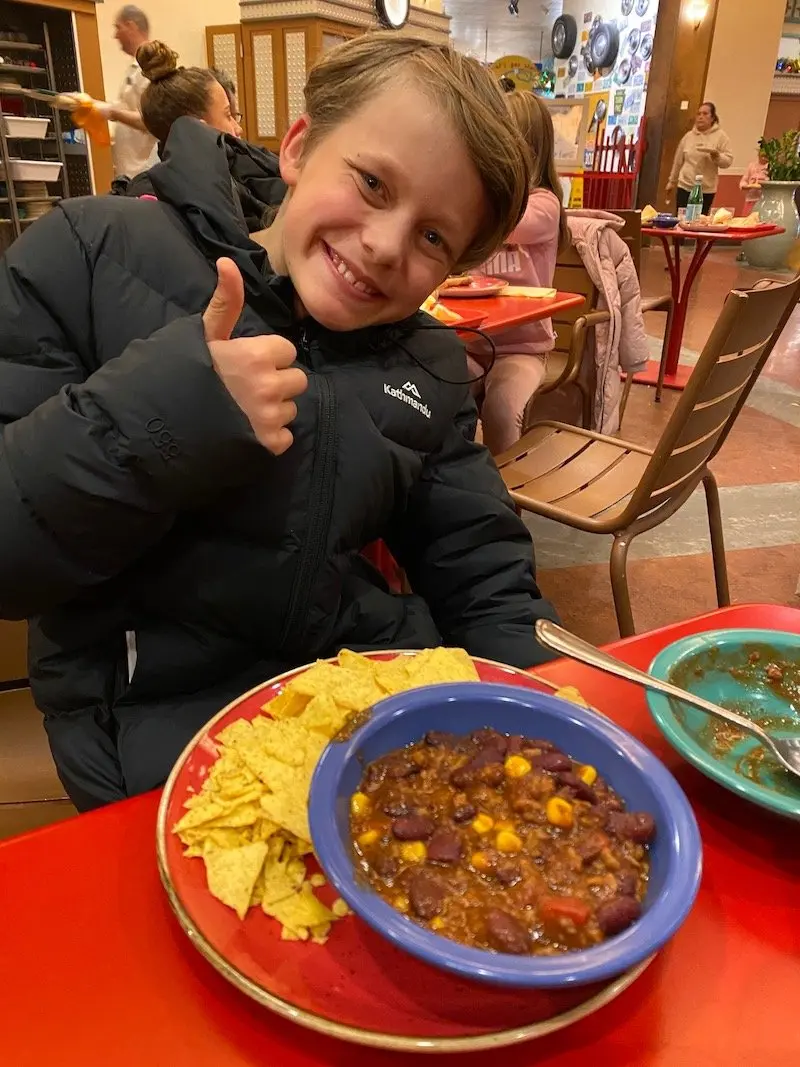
(500, 842)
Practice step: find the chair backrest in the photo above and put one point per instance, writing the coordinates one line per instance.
(571, 276)
(631, 234)
(731, 361)
(13, 651)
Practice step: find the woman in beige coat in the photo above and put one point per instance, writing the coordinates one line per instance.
(705, 150)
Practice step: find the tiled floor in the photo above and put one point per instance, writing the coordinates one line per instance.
(758, 469)
(670, 569)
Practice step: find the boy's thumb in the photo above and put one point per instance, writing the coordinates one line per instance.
(226, 304)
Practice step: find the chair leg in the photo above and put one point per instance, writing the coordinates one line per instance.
(662, 365)
(717, 539)
(619, 584)
(626, 392)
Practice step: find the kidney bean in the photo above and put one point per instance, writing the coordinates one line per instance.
(464, 813)
(426, 894)
(626, 884)
(581, 790)
(591, 846)
(489, 738)
(441, 739)
(397, 808)
(464, 776)
(413, 828)
(506, 933)
(493, 775)
(445, 847)
(639, 826)
(508, 872)
(607, 802)
(616, 915)
(514, 745)
(537, 742)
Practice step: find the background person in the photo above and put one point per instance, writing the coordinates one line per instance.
(134, 148)
(704, 150)
(175, 92)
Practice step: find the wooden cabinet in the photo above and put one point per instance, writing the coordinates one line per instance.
(270, 60)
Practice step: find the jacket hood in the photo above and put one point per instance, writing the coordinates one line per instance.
(194, 177)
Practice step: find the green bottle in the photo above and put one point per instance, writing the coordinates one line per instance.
(694, 208)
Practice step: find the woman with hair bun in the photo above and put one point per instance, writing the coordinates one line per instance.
(208, 95)
(175, 91)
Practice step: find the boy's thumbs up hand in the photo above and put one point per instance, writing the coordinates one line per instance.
(256, 371)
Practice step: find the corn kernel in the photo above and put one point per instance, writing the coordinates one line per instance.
(504, 824)
(517, 767)
(587, 774)
(369, 837)
(401, 903)
(559, 812)
(413, 851)
(480, 861)
(437, 923)
(360, 804)
(508, 841)
(482, 823)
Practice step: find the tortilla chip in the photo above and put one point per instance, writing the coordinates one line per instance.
(232, 874)
(286, 705)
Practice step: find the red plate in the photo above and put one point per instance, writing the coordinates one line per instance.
(478, 286)
(358, 986)
(474, 319)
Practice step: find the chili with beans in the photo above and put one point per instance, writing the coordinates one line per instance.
(501, 843)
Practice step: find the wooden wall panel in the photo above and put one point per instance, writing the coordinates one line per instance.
(678, 72)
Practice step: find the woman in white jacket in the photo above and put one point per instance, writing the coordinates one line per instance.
(704, 150)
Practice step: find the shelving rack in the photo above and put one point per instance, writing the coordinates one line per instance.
(49, 148)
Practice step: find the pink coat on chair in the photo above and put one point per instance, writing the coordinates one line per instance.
(620, 344)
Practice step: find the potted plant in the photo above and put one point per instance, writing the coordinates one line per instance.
(778, 201)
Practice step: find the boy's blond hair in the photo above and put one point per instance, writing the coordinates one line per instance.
(350, 74)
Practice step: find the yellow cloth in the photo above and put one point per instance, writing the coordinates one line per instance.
(532, 291)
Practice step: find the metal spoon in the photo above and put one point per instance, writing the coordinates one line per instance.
(785, 750)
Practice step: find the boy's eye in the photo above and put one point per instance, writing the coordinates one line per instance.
(371, 182)
(433, 238)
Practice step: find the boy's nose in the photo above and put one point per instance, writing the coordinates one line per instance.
(384, 239)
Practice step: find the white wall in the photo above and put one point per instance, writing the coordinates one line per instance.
(741, 87)
(181, 26)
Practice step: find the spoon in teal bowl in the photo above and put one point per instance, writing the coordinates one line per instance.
(786, 750)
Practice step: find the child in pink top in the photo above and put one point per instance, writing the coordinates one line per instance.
(751, 180)
(528, 258)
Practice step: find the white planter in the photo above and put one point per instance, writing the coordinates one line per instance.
(777, 205)
(33, 170)
(34, 129)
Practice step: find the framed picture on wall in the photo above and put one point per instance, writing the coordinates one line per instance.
(570, 123)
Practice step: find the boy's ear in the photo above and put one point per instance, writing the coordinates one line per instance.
(292, 148)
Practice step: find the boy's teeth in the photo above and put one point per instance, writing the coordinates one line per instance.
(348, 275)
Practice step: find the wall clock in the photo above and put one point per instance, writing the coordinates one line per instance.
(393, 13)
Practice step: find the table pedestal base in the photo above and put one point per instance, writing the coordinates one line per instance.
(677, 380)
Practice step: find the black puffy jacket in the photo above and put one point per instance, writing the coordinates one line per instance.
(167, 561)
(255, 173)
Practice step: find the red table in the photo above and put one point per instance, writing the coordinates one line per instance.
(96, 971)
(503, 312)
(673, 373)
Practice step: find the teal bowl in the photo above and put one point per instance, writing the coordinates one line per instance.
(720, 665)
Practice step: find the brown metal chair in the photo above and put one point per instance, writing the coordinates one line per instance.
(631, 234)
(608, 486)
(565, 362)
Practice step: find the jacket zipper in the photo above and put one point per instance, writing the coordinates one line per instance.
(312, 555)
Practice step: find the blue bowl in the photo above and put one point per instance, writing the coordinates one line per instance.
(630, 768)
(702, 664)
(666, 222)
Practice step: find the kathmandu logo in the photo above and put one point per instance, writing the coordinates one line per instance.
(409, 394)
